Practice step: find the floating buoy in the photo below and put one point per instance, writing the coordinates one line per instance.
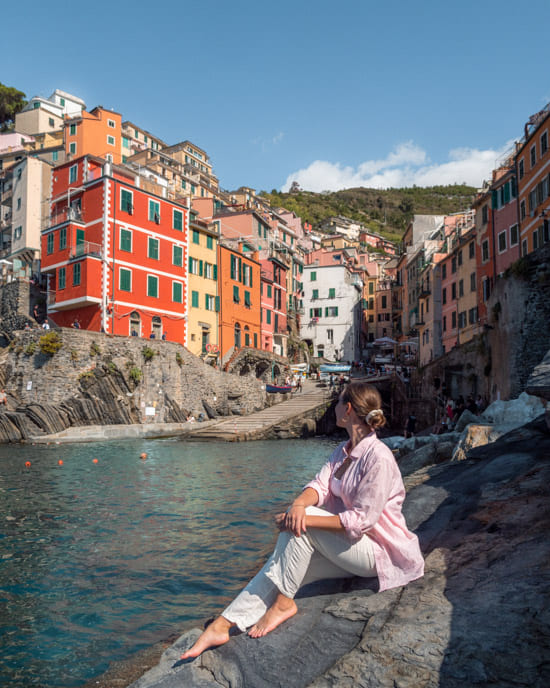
(143, 456)
(60, 462)
(94, 460)
(28, 464)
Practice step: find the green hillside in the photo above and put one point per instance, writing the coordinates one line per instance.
(384, 211)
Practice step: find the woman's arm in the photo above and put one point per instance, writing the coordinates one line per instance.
(297, 521)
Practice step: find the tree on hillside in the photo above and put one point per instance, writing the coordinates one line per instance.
(12, 101)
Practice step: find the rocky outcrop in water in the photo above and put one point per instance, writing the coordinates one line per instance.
(480, 615)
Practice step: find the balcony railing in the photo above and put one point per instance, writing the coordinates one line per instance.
(86, 248)
(65, 215)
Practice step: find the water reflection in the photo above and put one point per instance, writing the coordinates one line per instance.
(99, 560)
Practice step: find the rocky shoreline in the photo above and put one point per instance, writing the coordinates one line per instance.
(479, 501)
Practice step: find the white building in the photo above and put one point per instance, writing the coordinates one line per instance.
(42, 115)
(332, 312)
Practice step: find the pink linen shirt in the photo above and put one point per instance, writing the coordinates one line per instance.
(372, 494)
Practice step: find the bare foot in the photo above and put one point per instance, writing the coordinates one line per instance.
(217, 633)
(281, 610)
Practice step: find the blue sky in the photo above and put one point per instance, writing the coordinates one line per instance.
(332, 94)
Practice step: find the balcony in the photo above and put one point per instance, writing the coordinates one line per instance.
(59, 302)
(62, 216)
(85, 248)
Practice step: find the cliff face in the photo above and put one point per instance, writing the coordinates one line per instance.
(97, 379)
(478, 617)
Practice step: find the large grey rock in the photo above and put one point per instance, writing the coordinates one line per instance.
(514, 413)
(467, 417)
(478, 617)
(539, 382)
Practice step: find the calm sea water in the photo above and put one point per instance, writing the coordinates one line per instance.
(100, 560)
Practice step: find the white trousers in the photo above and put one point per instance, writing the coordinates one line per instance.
(295, 561)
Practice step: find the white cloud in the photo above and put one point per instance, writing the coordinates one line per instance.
(269, 142)
(406, 165)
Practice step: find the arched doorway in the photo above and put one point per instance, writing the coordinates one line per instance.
(237, 336)
(246, 335)
(135, 324)
(156, 326)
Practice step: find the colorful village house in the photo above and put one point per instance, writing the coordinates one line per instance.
(203, 303)
(115, 254)
(273, 292)
(239, 291)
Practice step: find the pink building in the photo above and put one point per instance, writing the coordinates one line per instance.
(273, 293)
(505, 227)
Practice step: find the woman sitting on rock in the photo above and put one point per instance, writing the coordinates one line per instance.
(360, 531)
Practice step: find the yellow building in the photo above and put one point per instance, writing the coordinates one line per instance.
(202, 291)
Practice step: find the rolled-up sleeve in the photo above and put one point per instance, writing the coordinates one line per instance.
(365, 506)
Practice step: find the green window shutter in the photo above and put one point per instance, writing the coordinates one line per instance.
(177, 255)
(332, 293)
(79, 237)
(178, 219)
(240, 270)
(315, 294)
(250, 268)
(195, 299)
(268, 317)
(201, 267)
(233, 267)
(125, 240)
(63, 237)
(124, 280)
(311, 312)
(247, 298)
(217, 304)
(76, 274)
(326, 311)
(177, 292)
(313, 277)
(236, 294)
(62, 276)
(215, 272)
(126, 201)
(190, 265)
(336, 311)
(507, 192)
(494, 199)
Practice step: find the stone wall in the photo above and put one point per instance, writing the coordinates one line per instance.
(14, 307)
(100, 379)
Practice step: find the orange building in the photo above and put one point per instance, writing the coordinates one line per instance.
(533, 180)
(239, 291)
(115, 255)
(98, 132)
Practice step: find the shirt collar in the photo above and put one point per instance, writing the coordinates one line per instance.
(359, 449)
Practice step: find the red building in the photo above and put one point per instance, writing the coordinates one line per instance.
(115, 255)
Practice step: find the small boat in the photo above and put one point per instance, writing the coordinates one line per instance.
(278, 389)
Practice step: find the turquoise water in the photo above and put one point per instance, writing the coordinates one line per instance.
(100, 560)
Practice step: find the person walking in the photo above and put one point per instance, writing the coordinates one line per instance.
(346, 522)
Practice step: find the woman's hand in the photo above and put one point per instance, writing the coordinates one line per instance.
(295, 520)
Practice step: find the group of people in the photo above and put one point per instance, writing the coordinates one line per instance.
(453, 409)
(294, 382)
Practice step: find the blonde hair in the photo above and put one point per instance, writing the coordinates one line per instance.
(366, 402)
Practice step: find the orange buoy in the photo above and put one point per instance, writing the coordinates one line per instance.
(28, 464)
(94, 460)
(60, 462)
(143, 456)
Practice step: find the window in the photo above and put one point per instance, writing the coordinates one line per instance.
(453, 264)
(331, 311)
(247, 275)
(62, 102)
(177, 255)
(195, 299)
(72, 129)
(177, 219)
(49, 248)
(502, 242)
(315, 294)
(196, 236)
(125, 279)
(461, 288)
(210, 302)
(453, 319)
(111, 123)
(111, 140)
(485, 214)
(472, 315)
(533, 156)
(55, 156)
(125, 142)
(453, 290)
(330, 336)
(236, 298)
(234, 267)
(514, 235)
(471, 250)
(524, 247)
(473, 281)
(312, 276)
(462, 319)
(209, 242)
(126, 201)
(444, 271)
(152, 286)
(268, 317)
(18, 231)
(194, 266)
(460, 257)
(125, 240)
(62, 238)
(73, 173)
(315, 312)
(543, 143)
(152, 248)
(332, 293)
(485, 251)
(522, 212)
(177, 292)
(76, 274)
(486, 289)
(247, 301)
(371, 287)
(154, 211)
(384, 301)
(444, 323)
(51, 122)
(62, 278)
(269, 291)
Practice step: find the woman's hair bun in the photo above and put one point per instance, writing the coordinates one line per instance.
(375, 418)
